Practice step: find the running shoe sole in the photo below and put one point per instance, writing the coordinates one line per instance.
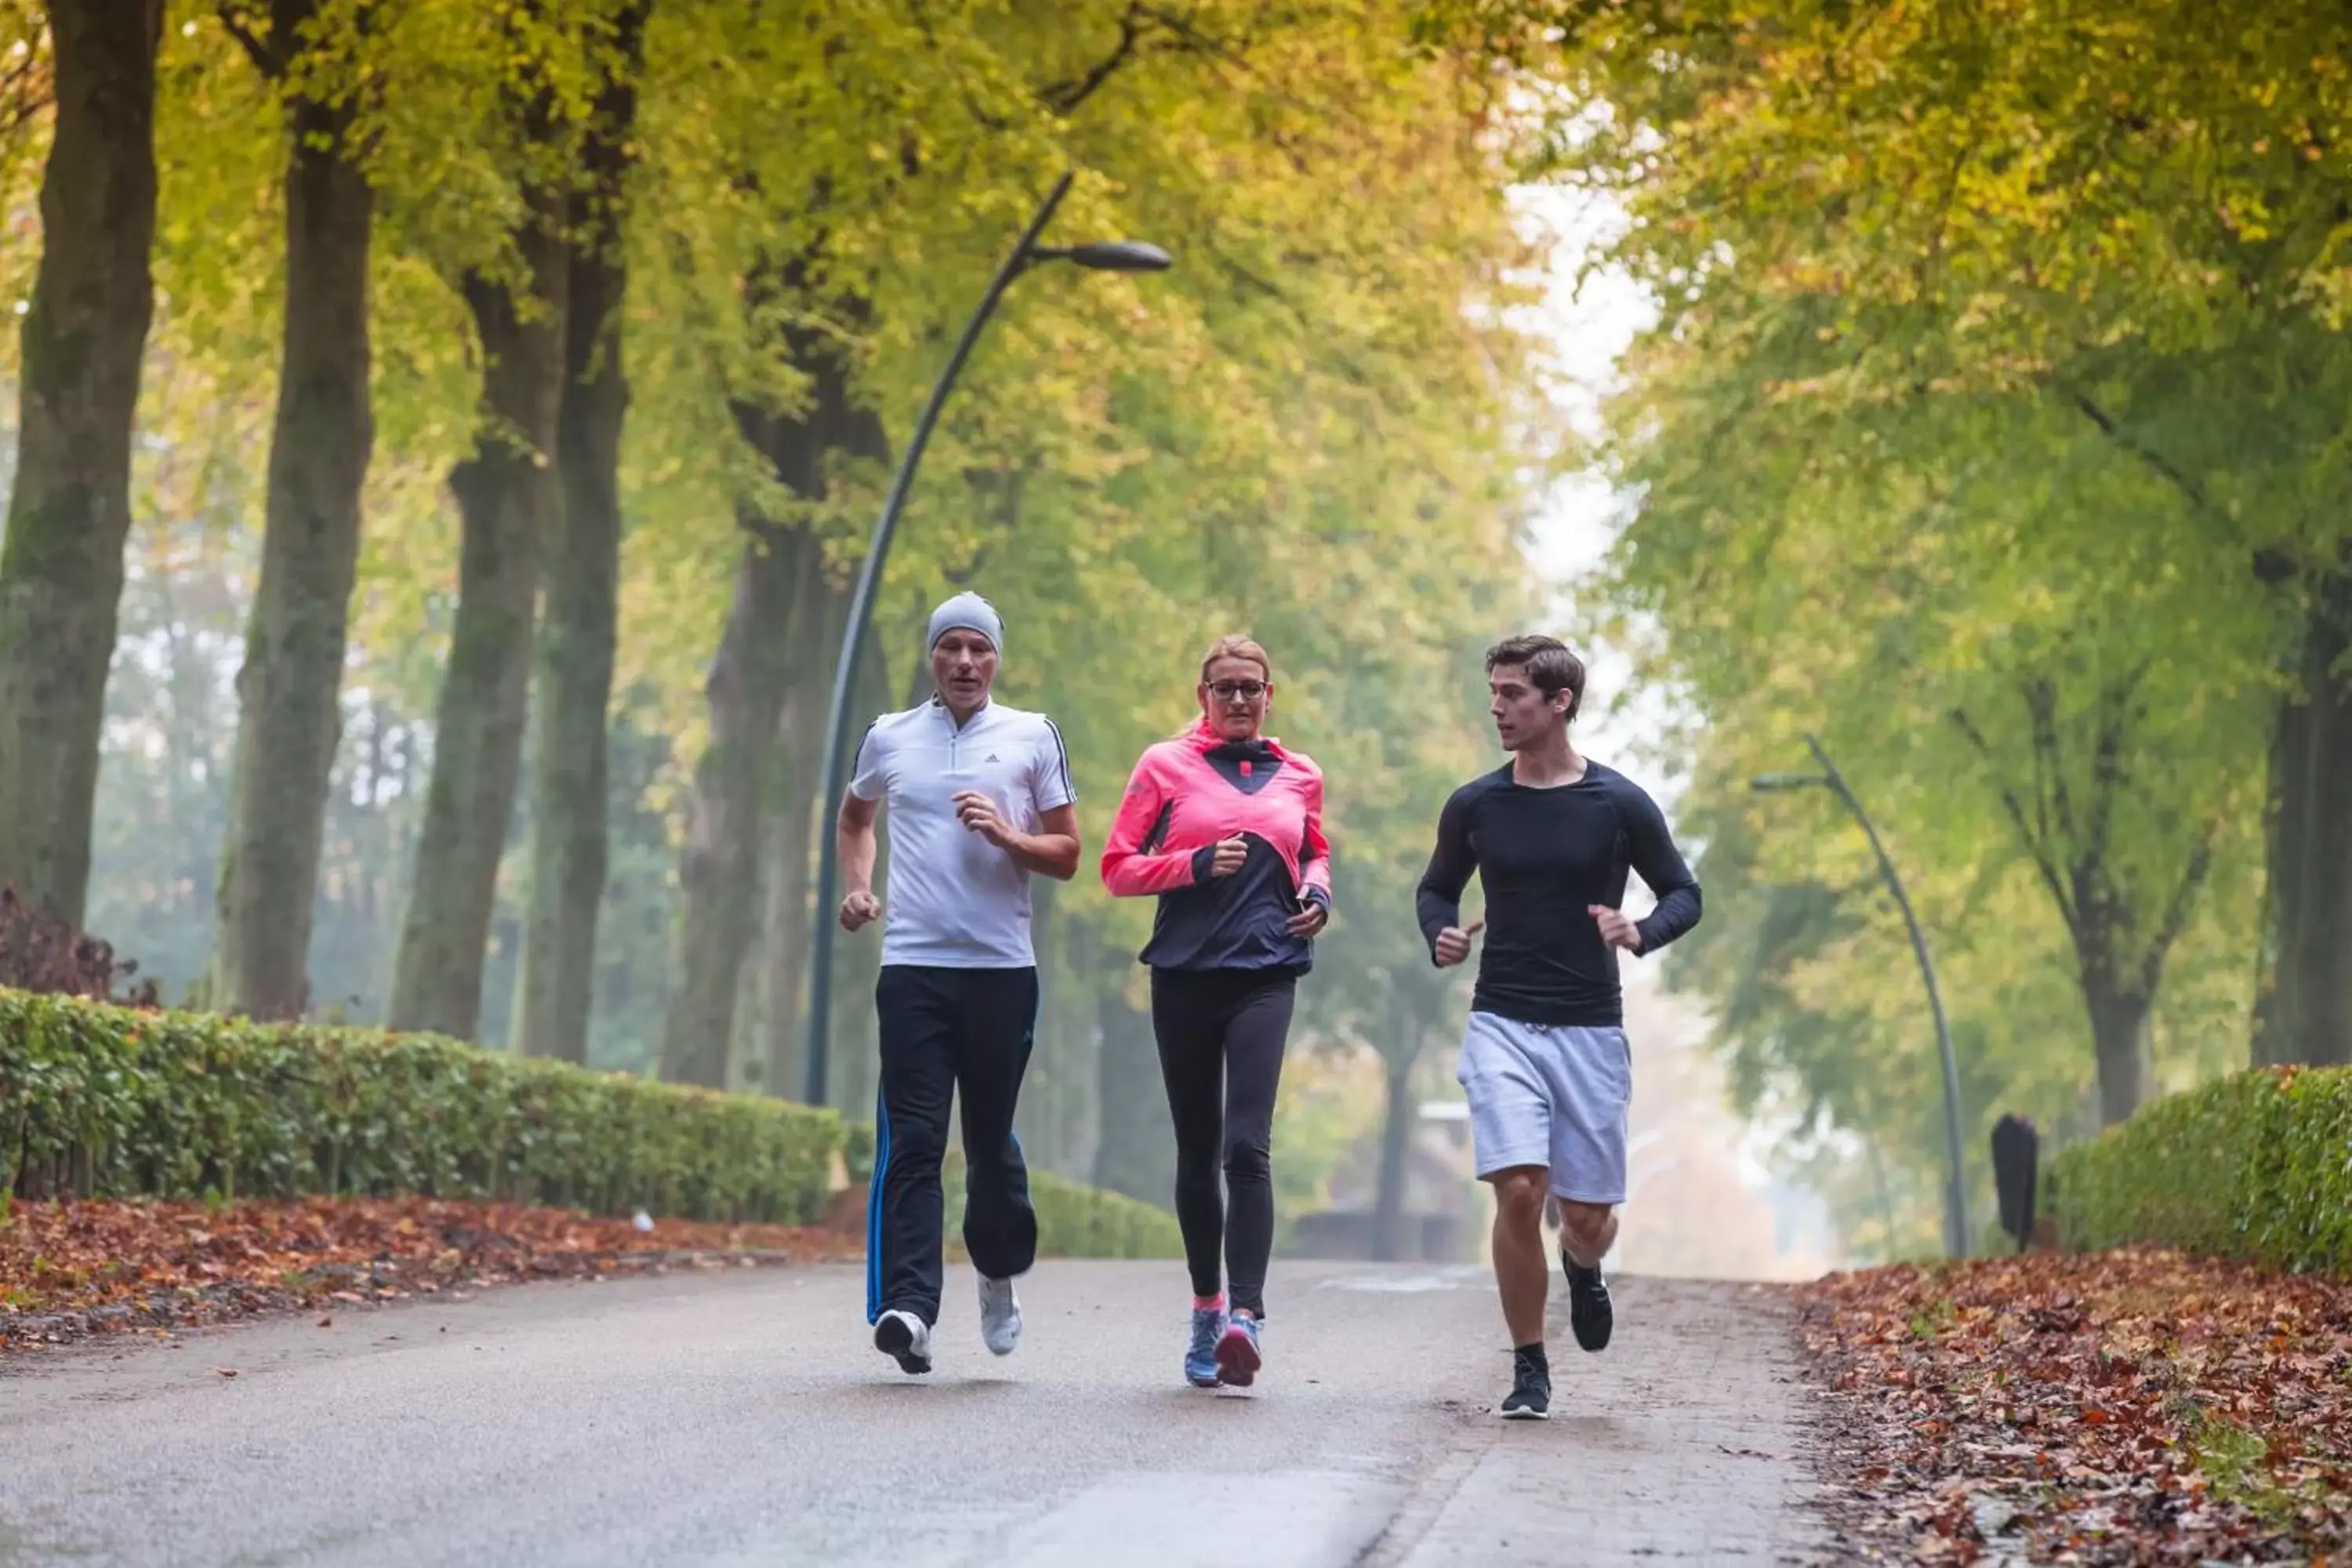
(894, 1340)
(1237, 1360)
(1527, 1413)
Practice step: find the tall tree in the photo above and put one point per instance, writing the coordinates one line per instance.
(780, 591)
(1928, 585)
(2123, 929)
(780, 978)
(2131, 209)
(719, 864)
(2305, 1006)
(289, 690)
(69, 512)
(577, 639)
(508, 498)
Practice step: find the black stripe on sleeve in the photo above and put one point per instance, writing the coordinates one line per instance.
(1062, 759)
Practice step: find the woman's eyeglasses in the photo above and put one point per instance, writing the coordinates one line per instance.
(1226, 690)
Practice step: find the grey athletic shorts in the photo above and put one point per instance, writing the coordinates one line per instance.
(1552, 1095)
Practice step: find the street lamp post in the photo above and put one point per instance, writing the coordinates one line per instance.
(1956, 1202)
(1109, 255)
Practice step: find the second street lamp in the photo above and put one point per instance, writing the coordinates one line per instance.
(1956, 1202)
(1101, 256)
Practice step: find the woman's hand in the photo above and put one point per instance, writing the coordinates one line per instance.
(1231, 853)
(1309, 922)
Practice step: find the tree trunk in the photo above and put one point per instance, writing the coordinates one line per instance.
(288, 691)
(2119, 1037)
(791, 870)
(557, 986)
(507, 497)
(69, 515)
(1396, 1137)
(718, 869)
(2306, 1011)
(768, 978)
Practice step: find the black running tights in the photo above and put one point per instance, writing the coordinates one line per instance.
(1220, 1035)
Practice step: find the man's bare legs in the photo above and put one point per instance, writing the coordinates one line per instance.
(1522, 1272)
(1523, 1278)
(1522, 1267)
(1587, 1232)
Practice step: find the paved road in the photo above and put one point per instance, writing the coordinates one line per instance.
(742, 1419)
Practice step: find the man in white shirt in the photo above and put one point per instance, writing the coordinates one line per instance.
(979, 800)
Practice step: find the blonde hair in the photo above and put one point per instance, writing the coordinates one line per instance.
(1235, 646)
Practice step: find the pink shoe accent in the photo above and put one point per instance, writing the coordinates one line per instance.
(1237, 1356)
(1215, 1303)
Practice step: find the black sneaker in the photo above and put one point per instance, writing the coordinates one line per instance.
(905, 1338)
(1588, 1311)
(1530, 1396)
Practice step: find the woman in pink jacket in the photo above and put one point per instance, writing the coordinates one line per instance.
(1225, 827)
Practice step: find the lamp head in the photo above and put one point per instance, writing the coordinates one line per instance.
(1111, 256)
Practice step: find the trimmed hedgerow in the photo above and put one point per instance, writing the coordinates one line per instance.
(98, 1100)
(1075, 1221)
(2257, 1165)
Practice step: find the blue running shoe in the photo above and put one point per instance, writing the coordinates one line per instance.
(1237, 1353)
(1201, 1353)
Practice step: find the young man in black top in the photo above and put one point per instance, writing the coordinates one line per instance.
(1545, 1062)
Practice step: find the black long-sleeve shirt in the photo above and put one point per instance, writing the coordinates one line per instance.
(1545, 858)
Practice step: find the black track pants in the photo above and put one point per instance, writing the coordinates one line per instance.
(944, 1031)
(1220, 1035)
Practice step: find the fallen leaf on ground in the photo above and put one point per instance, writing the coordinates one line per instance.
(71, 1270)
(2136, 1407)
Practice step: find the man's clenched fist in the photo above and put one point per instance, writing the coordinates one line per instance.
(1453, 943)
(1616, 929)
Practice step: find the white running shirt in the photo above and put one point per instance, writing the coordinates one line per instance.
(954, 900)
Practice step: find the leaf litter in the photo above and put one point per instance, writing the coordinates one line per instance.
(2139, 1406)
(74, 1269)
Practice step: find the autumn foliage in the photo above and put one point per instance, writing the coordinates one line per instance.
(2136, 1407)
(71, 1270)
(39, 952)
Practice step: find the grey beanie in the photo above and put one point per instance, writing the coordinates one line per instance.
(966, 613)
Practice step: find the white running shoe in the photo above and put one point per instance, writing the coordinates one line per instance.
(1000, 1315)
(905, 1338)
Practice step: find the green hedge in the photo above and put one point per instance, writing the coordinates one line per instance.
(858, 1151)
(2257, 1165)
(103, 1102)
(1076, 1221)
